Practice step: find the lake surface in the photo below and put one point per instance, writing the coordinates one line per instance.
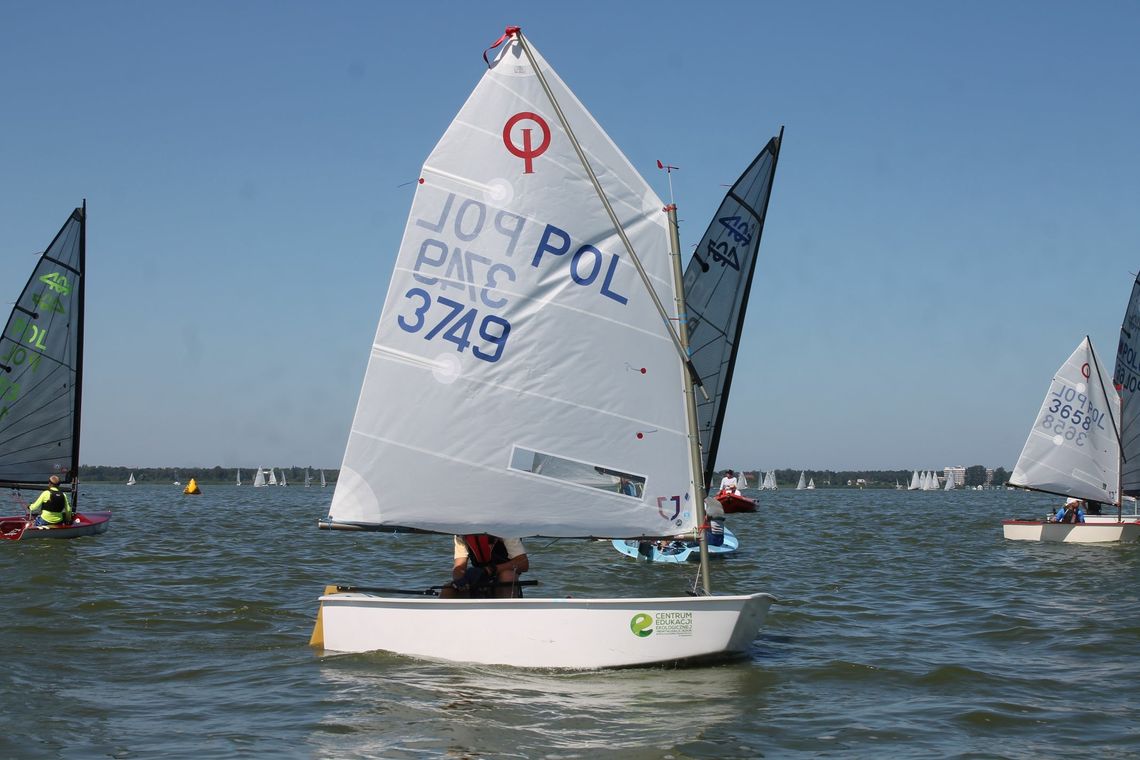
(908, 627)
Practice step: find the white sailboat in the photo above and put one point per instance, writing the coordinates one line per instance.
(811, 484)
(238, 483)
(259, 479)
(283, 483)
(914, 482)
(323, 482)
(308, 478)
(949, 481)
(802, 484)
(1074, 450)
(580, 264)
(271, 480)
(131, 480)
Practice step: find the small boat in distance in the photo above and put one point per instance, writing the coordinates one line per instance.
(41, 379)
(259, 479)
(131, 480)
(238, 478)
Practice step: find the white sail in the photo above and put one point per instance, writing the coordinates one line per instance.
(811, 484)
(913, 482)
(272, 478)
(949, 481)
(323, 482)
(131, 480)
(238, 483)
(283, 483)
(259, 478)
(800, 486)
(769, 483)
(520, 332)
(742, 481)
(1073, 448)
(308, 478)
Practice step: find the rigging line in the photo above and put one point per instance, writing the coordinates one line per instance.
(618, 228)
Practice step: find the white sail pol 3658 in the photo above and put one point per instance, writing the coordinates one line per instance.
(1074, 450)
(523, 335)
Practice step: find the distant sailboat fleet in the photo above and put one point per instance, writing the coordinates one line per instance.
(269, 478)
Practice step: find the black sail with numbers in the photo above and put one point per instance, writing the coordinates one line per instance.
(41, 352)
(1127, 376)
(717, 283)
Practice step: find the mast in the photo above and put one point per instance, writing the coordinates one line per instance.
(690, 399)
(79, 356)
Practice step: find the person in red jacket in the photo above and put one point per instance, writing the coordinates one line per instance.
(486, 566)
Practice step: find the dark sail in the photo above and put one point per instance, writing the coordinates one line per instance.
(1127, 375)
(40, 355)
(717, 283)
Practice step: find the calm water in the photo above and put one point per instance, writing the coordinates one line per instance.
(908, 627)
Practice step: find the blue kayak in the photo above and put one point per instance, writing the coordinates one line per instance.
(677, 550)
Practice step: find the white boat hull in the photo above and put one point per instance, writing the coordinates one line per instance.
(543, 633)
(1103, 530)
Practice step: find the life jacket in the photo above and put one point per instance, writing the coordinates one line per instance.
(57, 502)
(483, 550)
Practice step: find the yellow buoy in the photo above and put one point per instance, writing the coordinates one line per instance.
(192, 487)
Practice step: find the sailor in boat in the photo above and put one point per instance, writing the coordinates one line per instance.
(728, 484)
(1072, 511)
(52, 507)
(486, 566)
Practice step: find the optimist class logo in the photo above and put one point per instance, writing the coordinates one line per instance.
(527, 152)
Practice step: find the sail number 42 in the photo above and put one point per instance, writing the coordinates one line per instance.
(455, 324)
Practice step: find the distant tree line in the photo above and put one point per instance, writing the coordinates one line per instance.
(215, 475)
(975, 476)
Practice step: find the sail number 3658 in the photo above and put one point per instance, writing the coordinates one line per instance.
(1070, 420)
(455, 324)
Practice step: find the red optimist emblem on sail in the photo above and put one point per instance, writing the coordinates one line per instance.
(527, 152)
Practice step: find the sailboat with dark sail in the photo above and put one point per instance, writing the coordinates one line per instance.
(717, 284)
(41, 386)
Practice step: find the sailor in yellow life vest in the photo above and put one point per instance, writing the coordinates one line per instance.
(52, 507)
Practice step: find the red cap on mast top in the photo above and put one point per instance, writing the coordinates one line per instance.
(510, 31)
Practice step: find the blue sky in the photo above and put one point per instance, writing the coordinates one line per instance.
(955, 205)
